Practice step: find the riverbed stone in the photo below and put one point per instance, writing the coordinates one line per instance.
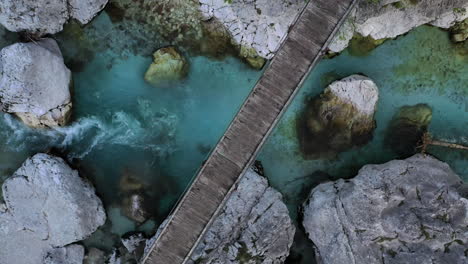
(47, 206)
(257, 24)
(168, 65)
(46, 16)
(403, 211)
(338, 119)
(391, 18)
(35, 83)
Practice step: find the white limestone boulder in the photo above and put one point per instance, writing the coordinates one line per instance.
(392, 18)
(46, 16)
(257, 24)
(403, 211)
(47, 206)
(35, 83)
(254, 226)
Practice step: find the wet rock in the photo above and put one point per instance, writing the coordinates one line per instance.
(407, 128)
(251, 56)
(338, 119)
(72, 254)
(459, 31)
(260, 25)
(46, 16)
(168, 65)
(95, 256)
(47, 205)
(403, 211)
(34, 83)
(254, 226)
(134, 207)
(390, 18)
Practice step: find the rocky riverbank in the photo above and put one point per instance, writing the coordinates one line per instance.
(403, 211)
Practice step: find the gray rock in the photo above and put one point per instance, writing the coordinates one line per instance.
(72, 254)
(46, 16)
(47, 205)
(253, 226)
(391, 18)
(403, 211)
(85, 10)
(95, 256)
(34, 83)
(257, 24)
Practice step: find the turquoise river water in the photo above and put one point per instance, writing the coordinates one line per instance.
(160, 135)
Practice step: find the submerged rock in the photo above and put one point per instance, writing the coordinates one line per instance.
(340, 118)
(34, 83)
(260, 25)
(168, 65)
(403, 211)
(254, 226)
(407, 128)
(390, 18)
(47, 205)
(46, 16)
(134, 206)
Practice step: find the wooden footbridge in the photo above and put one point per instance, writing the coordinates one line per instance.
(305, 44)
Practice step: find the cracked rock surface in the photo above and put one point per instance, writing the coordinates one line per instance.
(47, 206)
(46, 16)
(253, 227)
(257, 24)
(34, 83)
(403, 211)
(391, 18)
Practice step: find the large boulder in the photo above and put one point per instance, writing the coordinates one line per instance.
(47, 206)
(338, 119)
(46, 16)
(391, 18)
(258, 26)
(403, 211)
(34, 83)
(168, 65)
(253, 227)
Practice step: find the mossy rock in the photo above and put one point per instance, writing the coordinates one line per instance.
(459, 32)
(168, 65)
(406, 129)
(251, 56)
(362, 46)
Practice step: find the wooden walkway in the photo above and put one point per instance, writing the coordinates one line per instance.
(234, 153)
